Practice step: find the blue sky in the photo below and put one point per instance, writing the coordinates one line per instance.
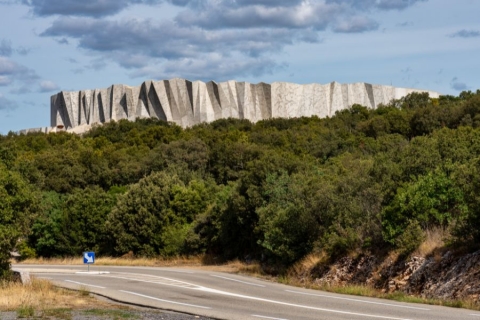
(51, 45)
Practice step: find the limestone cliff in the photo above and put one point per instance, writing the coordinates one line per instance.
(443, 276)
(188, 103)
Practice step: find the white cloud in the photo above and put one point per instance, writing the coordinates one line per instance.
(48, 86)
(12, 73)
(356, 25)
(5, 81)
(249, 30)
(88, 8)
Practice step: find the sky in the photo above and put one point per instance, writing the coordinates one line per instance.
(47, 46)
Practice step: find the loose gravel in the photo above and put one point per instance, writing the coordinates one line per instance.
(106, 314)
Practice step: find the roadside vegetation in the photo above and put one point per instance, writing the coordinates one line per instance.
(402, 178)
(295, 276)
(42, 300)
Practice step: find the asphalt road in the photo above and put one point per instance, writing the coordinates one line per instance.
(228, 296)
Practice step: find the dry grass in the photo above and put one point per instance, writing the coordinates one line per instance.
(122, 261)
(367, 291)
(14, 296)
(304, 267)
(434, 239)
(42, 295)
(201, 262)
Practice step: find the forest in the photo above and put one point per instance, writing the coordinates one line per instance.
(273, 191)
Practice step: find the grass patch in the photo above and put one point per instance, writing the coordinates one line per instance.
(111, 314)
(58, 313)
(25, 311)
(124, 261)
(367, 291)
(434, 240)
(42, 296)
(356, 290)
(83, 291)
(201, 262)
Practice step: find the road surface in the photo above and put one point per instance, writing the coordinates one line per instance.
(229, 296)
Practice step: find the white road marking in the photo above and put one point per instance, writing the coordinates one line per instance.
(298, 305)
(357, 300)
(249, 283)
(186, 285)
(159, 280)
(475, 315)
(92, 272)
(84, 284)
(257, 316)
(168, 301)
(178, 271)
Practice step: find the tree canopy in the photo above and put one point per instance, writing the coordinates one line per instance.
(276, 190)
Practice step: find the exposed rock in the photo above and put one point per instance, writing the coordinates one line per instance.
(188, 103)
(448, 276)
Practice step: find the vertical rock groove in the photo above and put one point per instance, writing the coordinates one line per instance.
(188, 103)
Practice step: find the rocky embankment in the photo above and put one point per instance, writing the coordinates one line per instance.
(440, 276)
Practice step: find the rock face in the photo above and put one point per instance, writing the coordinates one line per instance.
(445, 276)
(188, 103)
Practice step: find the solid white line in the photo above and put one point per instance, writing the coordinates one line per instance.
(257, 316)
(205, 289)
(176, 283)
(174, 302)
(475, 315)
(356, 300)
(297, 305)
(84, 284)
(249, 283)
(178, 271)
(150, 275)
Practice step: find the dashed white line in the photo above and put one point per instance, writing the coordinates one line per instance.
(249, 283)
(357, 300)
(264, 317)
(161, 300)
(84, 284)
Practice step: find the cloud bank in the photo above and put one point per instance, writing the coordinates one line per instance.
(209, 38)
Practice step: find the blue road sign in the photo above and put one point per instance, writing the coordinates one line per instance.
(89, 257)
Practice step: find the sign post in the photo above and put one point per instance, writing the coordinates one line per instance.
(88, 259)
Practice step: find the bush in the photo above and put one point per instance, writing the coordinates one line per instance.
(411, 238)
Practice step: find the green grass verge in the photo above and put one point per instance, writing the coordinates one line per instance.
(25, 311)
(57, 313)
(111, 314)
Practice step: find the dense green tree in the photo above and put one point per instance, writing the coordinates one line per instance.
(18, 205)
(153, 212)
(71, 224)
(361, 180)
(47, 237)
(431, 200)
(287, 225)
